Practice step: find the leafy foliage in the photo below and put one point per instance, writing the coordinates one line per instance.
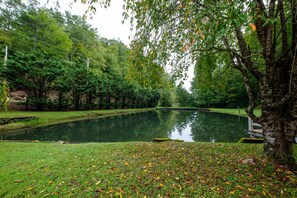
(183, 97)
(33, 73)
(4, 100)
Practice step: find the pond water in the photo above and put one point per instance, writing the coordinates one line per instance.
(184, 125)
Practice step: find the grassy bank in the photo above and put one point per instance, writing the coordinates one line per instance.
(235, 111)
(141, 170)
(55, 117)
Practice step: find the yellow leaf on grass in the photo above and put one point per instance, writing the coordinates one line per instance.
(251, 190)
(118, 195)
(232, 192)
(29, 188)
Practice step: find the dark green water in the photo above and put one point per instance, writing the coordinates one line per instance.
(186, 125)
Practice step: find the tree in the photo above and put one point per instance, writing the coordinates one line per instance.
(33, 73)
(168, 30)
(36, 29)
(183, 97)
(217, 85)
(10, 10)
(189, 27)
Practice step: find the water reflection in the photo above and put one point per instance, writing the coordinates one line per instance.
(185, 125)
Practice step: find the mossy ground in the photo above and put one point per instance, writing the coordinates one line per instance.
(138, 169)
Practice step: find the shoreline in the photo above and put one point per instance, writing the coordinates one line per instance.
(41, 120)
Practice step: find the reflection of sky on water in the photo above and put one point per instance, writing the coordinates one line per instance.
(185, 135)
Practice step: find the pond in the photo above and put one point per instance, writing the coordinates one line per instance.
(189, 126)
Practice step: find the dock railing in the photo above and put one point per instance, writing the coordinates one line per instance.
(254, 127)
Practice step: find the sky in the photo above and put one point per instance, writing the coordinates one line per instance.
(108, 23)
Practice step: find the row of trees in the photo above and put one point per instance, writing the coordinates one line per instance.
(60, 62)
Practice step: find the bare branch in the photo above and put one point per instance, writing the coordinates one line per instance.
(294, 23)
(268, 47)
(238, 65)
(283, 26)
(246, 55)
(261, 31)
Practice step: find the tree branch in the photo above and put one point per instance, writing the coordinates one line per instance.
(261, 30)
(294, 23)
(283, 26)
(269, 51)
(238, 65)
(246, 59)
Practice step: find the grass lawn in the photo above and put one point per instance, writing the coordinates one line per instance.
(141, 169)
(55, 117)
(235, 111)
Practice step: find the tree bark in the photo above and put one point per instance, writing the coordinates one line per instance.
(279, 137)
(279, 123)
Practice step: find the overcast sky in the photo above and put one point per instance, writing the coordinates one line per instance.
(107, 21)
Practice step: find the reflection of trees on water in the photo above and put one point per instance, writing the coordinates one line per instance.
(216, 127)
(184, 118)
(143, 127)
(133, 127)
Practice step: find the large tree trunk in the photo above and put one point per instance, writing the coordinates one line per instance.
(279, 117)
(279, 136)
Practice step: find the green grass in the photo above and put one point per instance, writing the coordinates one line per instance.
(241, 112)
(55, 117)
(140, 170)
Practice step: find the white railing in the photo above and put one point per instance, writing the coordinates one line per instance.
(253, 124)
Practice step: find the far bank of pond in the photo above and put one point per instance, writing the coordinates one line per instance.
(190, 126)
(46, 118)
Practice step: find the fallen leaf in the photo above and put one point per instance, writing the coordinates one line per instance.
(253, 27)
(29, 188)
(232, 192)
